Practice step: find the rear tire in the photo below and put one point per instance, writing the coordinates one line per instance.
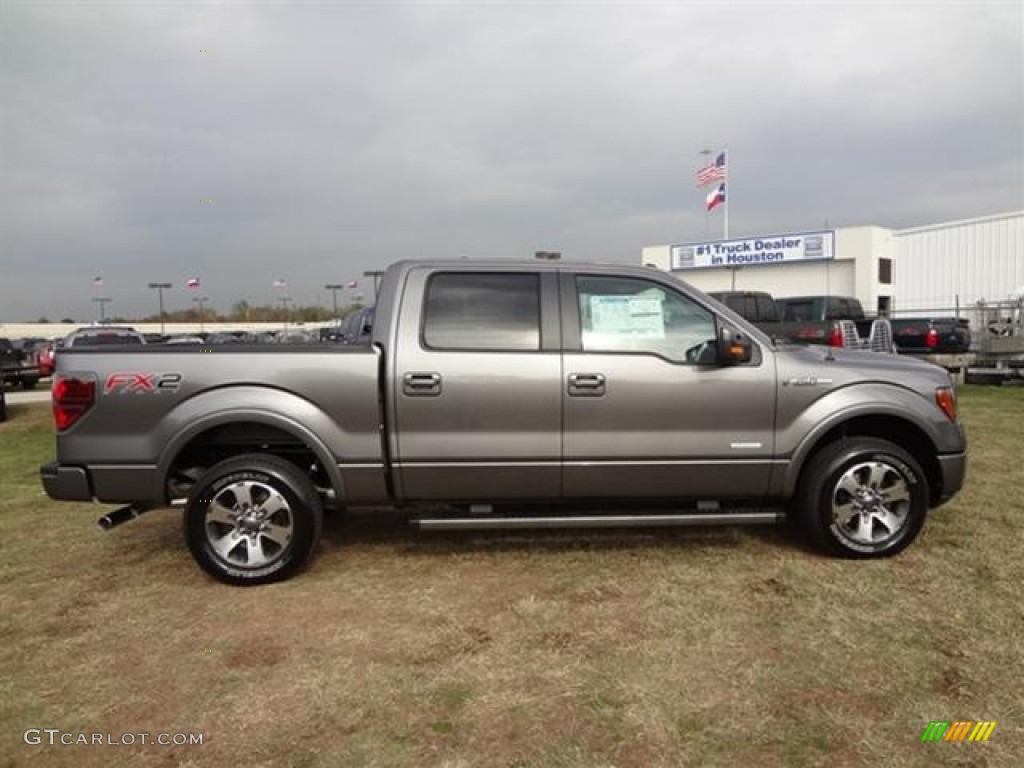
(253, 519)
(862, 497)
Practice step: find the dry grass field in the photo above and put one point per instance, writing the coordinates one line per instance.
(722, 647)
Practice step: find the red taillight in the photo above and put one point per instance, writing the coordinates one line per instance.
(835, 336)
(809, 332)
(72, 397)
(931, 339)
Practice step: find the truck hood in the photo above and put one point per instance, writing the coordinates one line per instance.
(847, 366)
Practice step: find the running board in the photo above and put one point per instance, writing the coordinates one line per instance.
(596, 521)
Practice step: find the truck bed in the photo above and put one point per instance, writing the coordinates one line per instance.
(146, 395)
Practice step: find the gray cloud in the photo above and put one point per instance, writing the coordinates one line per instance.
(335, 138)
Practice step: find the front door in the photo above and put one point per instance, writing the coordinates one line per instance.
(648, 412)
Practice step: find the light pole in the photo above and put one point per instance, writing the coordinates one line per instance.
(334, 288)
(160, 292)
(284, 305)
(103, 301)
(375, 274)
(200, 300)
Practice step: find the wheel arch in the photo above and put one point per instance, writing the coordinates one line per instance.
(238, 431)
(896, 429)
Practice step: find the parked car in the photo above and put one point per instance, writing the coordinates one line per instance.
(294, 337)
(17, 366)
(185, 339)
(331, 334)
(265, 337)
(932, 335)
(563, 389)
(756, 306)
(222, 337)
(357, 329)
(46, 358)
(102, 336)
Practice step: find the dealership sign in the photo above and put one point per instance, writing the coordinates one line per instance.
(777, 249)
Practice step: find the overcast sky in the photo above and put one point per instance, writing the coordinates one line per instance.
(334, 138)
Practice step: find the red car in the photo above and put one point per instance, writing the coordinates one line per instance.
(45, 359)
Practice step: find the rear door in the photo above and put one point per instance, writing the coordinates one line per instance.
(647, 411)
(477, 390)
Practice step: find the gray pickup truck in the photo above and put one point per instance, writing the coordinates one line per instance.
(510, 395)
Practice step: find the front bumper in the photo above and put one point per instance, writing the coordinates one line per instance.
(65, 483)
(953, 467)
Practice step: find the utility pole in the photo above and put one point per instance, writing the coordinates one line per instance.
(160, 292)
(375, 274)
(284, 305)
(200, 300)
(334, 288)
(103, 301)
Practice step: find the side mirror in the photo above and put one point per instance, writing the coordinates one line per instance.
(733, 346)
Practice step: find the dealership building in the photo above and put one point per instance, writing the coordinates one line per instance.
(937, 269)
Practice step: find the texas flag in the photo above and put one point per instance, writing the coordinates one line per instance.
(716, 197)
(192, 282)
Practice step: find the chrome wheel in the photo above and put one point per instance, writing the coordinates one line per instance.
(253, 519)
(870, 504)
(862, 497)
(249, 524)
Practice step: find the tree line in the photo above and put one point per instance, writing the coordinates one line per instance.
(241, 312)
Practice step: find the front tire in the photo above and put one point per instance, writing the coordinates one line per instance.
(862, 498)
(253, 519)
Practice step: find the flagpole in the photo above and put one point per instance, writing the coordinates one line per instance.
(725, 213)
(728, 193)
(707, 214)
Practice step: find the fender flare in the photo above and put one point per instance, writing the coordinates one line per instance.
(224, 417)
(807, 445)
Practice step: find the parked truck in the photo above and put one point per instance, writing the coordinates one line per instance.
(800, 319)
(510, 395)
(17, 366)
(932, 335)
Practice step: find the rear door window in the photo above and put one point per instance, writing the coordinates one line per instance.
(482, 311)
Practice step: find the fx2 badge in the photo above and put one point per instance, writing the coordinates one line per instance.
(132, 382)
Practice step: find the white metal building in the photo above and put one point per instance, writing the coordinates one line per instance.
(930, 269)
(960, 263)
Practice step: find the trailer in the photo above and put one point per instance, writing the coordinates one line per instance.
(1001, 350)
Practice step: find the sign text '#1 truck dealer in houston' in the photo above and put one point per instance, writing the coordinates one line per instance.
(803, 246)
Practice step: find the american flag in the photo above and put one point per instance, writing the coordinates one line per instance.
(192, 282)
(714, 172)
(280, 283)
(353, 284)
(97, 282)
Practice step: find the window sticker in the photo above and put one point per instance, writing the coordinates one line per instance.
(638, 317)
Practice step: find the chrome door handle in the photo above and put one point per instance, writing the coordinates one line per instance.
(586, 384)
(421, 384)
